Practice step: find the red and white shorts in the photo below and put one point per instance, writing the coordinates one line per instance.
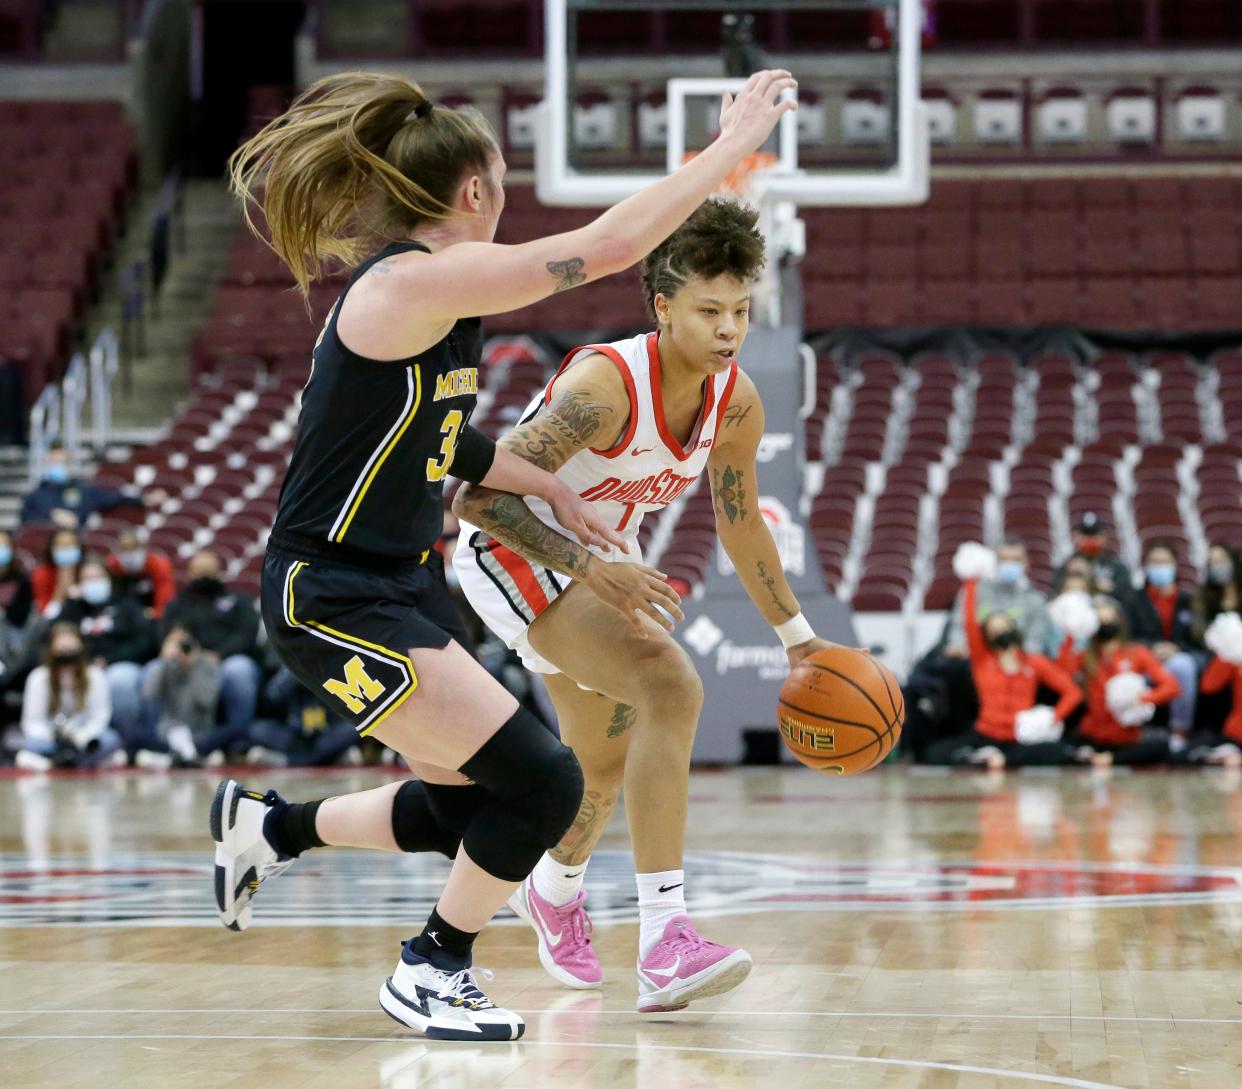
(507, 591)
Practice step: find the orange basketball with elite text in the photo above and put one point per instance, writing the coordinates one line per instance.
(840, 711)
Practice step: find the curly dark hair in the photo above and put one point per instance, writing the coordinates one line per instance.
(721, 236)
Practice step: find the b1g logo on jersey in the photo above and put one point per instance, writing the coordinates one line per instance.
(458, 383)
(357, 689)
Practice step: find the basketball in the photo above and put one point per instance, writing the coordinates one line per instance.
(840, 711)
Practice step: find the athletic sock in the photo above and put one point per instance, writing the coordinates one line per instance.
(448, 948)
(661, 898)
(557, 882)
(290, 828)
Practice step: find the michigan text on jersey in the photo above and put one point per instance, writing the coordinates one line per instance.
(458, 383)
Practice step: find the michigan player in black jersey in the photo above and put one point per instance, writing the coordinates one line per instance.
(365, 169)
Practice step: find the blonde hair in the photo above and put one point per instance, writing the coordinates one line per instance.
(357, 157)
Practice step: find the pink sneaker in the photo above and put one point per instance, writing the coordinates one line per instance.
(564, 936)
(684, 967)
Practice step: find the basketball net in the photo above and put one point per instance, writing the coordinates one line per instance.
(744, 183)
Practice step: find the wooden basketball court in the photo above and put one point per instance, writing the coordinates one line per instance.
(909, 930)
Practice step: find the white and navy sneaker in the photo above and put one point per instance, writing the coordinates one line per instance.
(244, 858)
(443, 1005)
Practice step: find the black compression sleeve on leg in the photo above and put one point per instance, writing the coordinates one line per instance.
(536, 787)
(418, 826)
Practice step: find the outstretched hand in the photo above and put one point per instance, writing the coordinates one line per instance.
(749, 119)
(634, 591)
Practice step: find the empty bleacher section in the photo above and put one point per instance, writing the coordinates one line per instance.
(1147, 252)
(64, 190)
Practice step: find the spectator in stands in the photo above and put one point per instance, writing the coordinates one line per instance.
(1221, 591)
(309, 734)
(1012, 728)
(56, 578)
(1108, 571)
(67, 502)
(225, 624)
(119, 639)
(181, 689)
(1220, 742)
(1161, 616)
(1078, 569)
(1124, 683)
(1010, 594)
(142, 574)
(65, 708)
(16, 596)
(15, 602)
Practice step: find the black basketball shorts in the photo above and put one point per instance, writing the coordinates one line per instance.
(345, 632)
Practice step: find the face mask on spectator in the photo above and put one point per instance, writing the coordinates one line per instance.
(1003, 640)
(1010, 572)
(56, 474)
(208, 585)
(1161, 575)
(66, 557)
(1090, 546)
(1107, 631)
(96, 591)
(1219, 573)
(6, 555)
(66, 657)
(133, 561)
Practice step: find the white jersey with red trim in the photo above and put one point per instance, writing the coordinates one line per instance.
(647, 468)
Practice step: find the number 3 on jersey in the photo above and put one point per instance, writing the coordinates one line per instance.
(437, 467)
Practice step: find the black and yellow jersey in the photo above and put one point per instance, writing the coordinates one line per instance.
(375, 440)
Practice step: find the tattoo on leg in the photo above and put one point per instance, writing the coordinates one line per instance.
(578, 843)
(623, 716)
(770, 582)
(567, 273)
(730, 495)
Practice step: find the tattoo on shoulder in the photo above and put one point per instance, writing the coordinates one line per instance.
(384, 267)
(552, 437)
(730, 493)
(567, 273)
(736, 414)
(770, 582)
(623, 716)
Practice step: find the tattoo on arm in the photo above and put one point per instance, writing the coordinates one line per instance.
(769, 581)
(567, 273)
(507, 518)
(623, 716)
(730, 493)
(559, 431)
(736, 414)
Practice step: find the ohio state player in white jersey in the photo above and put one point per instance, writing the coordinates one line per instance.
(630, 426)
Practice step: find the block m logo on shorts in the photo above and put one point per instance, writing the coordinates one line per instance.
(358, 688)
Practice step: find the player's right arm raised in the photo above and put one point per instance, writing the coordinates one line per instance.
(589, 407)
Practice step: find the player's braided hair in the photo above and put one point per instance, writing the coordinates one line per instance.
(357, 157)
(721, 236)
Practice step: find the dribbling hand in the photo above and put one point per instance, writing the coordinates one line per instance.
(795, 654)
(634, 591)
(747, 120)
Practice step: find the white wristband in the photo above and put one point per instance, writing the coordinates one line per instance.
(794, 631)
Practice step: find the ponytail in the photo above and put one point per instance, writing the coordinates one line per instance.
(357, 158)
